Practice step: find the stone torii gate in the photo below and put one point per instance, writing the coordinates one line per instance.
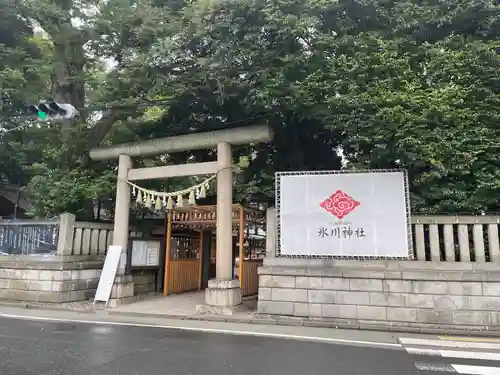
(223, 291)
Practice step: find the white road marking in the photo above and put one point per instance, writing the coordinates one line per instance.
(474, 339)
(434, 367)
(213, 330)
(488, 356)
(422, 351)
(449, 344)
(476, 370)
(102, 330)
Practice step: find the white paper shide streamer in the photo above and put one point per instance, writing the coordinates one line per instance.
(158, 200)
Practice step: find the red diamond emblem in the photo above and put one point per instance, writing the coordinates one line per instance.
(339, 204)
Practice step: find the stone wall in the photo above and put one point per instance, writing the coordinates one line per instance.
(383, 294)
(49, 279)
(144, 281)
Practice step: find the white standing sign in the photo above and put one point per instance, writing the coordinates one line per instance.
(355, 214)
(108, 274)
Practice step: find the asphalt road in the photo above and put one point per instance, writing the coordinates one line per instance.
(43, 348)
(48, 348)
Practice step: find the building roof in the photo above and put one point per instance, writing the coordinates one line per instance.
(10, 192)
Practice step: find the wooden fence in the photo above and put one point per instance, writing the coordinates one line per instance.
(183, 275)
(250, 275)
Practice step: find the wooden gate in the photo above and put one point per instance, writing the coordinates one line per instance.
(184, 255)
(250, 277)
(183, 275)
(250, 259)
(183, 262)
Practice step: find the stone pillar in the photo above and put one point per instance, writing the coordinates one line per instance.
(271, 233)
(122, 210)
(224, 292)
(123, 287)
(224, 212)
(65, 239)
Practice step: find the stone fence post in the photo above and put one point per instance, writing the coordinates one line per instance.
(66, 229)
(271, 233)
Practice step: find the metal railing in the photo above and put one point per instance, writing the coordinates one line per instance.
(28, 237)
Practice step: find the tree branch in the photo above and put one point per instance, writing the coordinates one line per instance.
(102, 128)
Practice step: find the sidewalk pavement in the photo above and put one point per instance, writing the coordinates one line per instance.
(326, 335)
(182, 308)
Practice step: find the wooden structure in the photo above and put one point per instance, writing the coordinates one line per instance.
(186, 230)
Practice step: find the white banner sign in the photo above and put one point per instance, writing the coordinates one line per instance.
(108, 274)
(343, 214)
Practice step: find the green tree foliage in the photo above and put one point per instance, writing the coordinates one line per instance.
(23, 77)
(424, 94)
(34, 66)
(226, 64)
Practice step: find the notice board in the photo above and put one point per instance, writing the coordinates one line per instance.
(145, 253)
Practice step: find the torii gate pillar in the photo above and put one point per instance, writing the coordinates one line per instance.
(223, 292)
(122, 210)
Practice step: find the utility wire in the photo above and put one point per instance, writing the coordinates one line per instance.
(145, 104)
(103, 107)
(180, 124)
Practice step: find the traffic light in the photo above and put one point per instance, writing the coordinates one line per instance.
(53, 111)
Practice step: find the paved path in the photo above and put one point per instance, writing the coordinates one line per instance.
(454, 355)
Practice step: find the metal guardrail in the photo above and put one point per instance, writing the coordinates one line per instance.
(28, 237)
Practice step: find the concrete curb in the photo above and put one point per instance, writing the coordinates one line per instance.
(322, 323)
(291, 321)
(55, 307)
(280, 320)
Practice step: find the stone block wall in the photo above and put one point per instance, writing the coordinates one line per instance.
(144, 281)
(71, 273)
(383, 293)
(54, 279)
